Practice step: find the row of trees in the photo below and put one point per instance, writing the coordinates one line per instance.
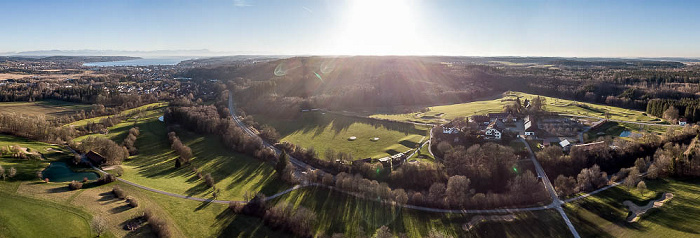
(35, 128)
(183, 151)
(208, 120)
(130, 140)
(297, 220)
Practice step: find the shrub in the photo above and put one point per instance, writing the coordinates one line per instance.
(118, 170)
(118, 192)
(132, 201)
(75, 185)
(108, 178)
(159, 226)
(209, 180)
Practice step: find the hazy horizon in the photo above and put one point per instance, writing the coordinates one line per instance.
(627, 29)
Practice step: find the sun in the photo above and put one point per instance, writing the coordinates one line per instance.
(379, 27)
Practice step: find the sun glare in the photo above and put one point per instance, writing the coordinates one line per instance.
(379, 27)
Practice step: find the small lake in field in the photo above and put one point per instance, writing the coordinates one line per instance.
(60, 172)
(138, 62)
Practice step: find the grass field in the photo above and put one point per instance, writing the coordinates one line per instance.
(324, 131)
(26, 169)
(154, 166)
(603, 215)
(339, 213)
(614, 129)
(440, 114)
(125, 112)
(26, 217)
(48, 108)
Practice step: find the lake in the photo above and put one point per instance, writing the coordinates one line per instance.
(138, 62)
(60, 172)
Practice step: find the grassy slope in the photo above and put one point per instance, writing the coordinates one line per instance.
(26, 217)
(614, 129)
(604, 214)
(339, 213)
(26, 169)
(553, 104)
(332, 131)
(154, 166)
(97, 119)
(42, 108)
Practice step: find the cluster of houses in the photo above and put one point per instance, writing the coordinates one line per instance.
(490, 126)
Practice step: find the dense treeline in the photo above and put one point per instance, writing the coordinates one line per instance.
(297, 220)
(686, 108)
(113, 153)
(35, 128)
(610, 158)
(402, 84)
(208, 120)
(488, 166)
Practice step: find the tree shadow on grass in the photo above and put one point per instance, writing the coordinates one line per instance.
(61, 189)
(120, 209)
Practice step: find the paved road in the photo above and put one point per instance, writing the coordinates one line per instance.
(556, 202)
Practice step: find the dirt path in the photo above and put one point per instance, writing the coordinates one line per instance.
(637, 211)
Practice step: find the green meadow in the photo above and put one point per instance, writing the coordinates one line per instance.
(442, 113)
(323, 131)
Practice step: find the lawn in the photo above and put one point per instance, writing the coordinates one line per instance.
(26, 169)
(125, 112)
(339, 213)
(614, 129)
(440, 114)
(331, 131)
(604, 214)
(154, 166)
(27, 217)
(48, 108)
(201, 219)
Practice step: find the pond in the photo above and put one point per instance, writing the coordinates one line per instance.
(60, 172)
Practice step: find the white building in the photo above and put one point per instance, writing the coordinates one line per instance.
(450, 130)
(492, 133)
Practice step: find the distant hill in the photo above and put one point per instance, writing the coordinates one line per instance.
(84, 59)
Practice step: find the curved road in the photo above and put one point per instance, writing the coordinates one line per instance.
(556, 202)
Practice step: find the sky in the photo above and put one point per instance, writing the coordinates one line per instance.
(618, 28)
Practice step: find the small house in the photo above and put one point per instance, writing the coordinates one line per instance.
(95, 158)
(450, 130)
(492, 133)
(682, 122)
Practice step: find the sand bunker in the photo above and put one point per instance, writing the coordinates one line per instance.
(636, 211)
(479, 219)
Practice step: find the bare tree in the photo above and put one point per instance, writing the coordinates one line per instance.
(642, 187)
(99, 225)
